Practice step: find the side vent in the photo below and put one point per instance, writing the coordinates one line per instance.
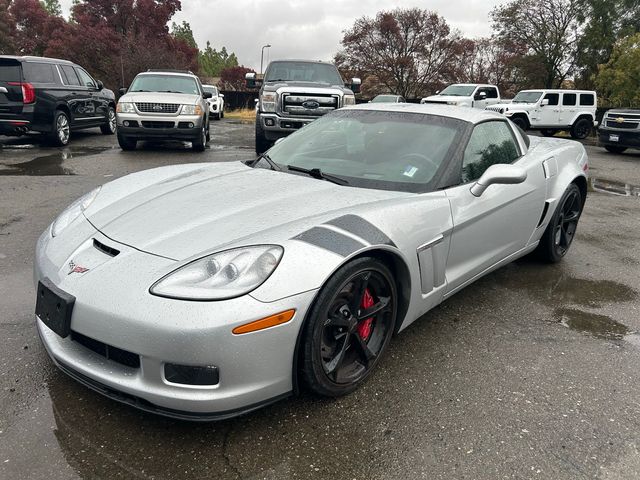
(112, 252)
(544, 214)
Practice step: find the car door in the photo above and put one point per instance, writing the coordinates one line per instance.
(568, 108)
(499, 223)
(97, 108)
(549, 115)
(76, 97)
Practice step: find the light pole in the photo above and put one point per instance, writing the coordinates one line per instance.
(262, 55)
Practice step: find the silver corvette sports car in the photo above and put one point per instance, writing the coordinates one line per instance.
(204, 291)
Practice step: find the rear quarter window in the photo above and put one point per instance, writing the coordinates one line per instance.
(69, 75)
(587, 99)
(38, 72)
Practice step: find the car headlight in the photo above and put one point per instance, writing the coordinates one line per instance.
(223, 275)
(191, 110)
(349, 100)
(125, 107)
(268, 101)
(73, 211)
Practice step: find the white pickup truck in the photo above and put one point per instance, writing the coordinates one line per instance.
(473, 95)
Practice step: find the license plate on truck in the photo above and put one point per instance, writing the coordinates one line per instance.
(614, 138)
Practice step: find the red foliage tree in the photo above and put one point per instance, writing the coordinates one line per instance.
(233, 77)
(32, 27)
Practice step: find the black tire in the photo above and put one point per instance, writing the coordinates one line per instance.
(581, 129)
(127, 143)
(339, 348)
(109, 128)
(217, 116)
(614, 149)
(521, 122)
(560, 232)
(208, 130)
(199, 144)
(61, 129)
(262, 144)
(547, 132)
(222, 113)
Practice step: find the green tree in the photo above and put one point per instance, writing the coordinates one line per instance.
(52, 7)
(183, 32)
(213, 62)
(618, 80)
(547, 29)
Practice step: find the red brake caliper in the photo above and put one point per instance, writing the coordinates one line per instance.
(364, 327)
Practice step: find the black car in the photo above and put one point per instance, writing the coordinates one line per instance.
(619, 130)
(52, 96)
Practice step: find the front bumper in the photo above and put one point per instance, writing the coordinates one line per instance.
(626, 138)
(181, 127)
(113, 307)
(275, 126)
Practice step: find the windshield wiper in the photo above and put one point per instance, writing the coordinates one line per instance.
(317, 173)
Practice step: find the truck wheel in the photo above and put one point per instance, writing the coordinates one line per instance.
(198, 144)
(581, 129)
(547, 132)
(262, 144)
(614, 149)
(127, 143)
(521, 122)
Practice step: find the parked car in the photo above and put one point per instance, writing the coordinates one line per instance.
(164, 105)
(294, 93)
(386, 98)
(466, 95)
(620, 129)
(52, 96)
(216, 102)
(551, 111)
(204, 291)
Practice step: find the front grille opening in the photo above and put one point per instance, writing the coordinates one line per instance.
(116, 354)
(145, 107)
(112, 252)
(151, 124)
(188, 375)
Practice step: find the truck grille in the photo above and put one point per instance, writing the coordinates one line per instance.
(157, 107)
(630, 121)
(495, 109)
(303, 105)
(441, 102)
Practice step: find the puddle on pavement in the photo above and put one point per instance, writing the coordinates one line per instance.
(614, 187)
(600, 326)
(51, 164)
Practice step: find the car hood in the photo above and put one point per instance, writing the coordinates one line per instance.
(206, 207)
(446, 98)
(160, 97)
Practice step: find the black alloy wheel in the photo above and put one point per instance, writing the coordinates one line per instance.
(581, 129)
(349, 327)
(561, 230)
(109, 128)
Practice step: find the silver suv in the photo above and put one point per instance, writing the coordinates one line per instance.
(163, 105)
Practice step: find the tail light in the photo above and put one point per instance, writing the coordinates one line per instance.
(28, 92)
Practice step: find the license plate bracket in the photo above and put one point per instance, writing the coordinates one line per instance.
(54, 307)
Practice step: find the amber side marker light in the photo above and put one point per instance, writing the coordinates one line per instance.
(267, 322)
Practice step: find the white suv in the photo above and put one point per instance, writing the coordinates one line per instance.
(466, 95)
(216, 102)
(551, 111)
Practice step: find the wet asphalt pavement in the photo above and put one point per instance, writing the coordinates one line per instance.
(531, 372)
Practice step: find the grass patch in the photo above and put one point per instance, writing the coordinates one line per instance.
(241, 114)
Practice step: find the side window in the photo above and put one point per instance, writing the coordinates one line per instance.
(85, 78)
(490, 143)
(586, 99)
(69, 75)
(553, 98)
(569, 99)
(492, 92)
(38, 72)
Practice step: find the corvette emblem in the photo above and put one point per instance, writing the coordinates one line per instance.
(73, 268)
(619, 120)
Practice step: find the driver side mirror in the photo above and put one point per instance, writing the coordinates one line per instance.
(221, 95)
(544, 102)
(355, 85)
(206, 95)
(252, 80)
(122, 90)
(500, 173)
(480, 96)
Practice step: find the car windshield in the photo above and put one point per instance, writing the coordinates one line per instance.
(164, 83)
(385, 99)
(372, 149)
(458, 90)
(212, 90)
(527, 97)
(303, 72)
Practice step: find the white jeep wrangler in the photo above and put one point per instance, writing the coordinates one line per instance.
(551, 111)
(466, 95)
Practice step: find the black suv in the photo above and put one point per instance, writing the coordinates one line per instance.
(52, 96)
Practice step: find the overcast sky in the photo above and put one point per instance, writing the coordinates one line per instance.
(305, 28)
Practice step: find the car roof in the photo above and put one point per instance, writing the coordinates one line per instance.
(556, 90)
(472, 115)
(29, 58)
(160, 72)
(471, 85)
(300, 60)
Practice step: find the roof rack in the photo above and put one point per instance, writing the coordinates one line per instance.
(168, 70)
